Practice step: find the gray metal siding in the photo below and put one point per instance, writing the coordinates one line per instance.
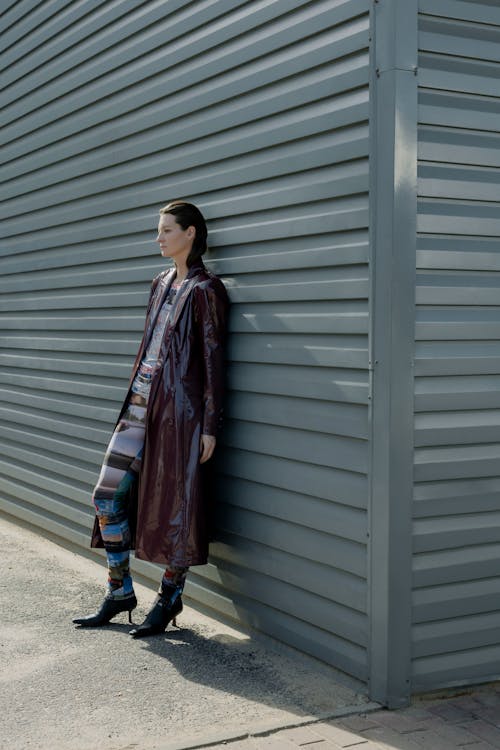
(258, 112)
(393, 178)
(456, 537)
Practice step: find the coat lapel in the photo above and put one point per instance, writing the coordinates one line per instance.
(163, 288)
(180, 301)
(180, 298)
(178, 305)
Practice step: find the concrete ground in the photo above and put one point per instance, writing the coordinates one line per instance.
(68, 687)
(205, 683)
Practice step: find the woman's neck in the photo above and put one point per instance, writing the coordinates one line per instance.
(181, 271)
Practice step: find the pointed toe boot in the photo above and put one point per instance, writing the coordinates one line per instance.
(108, 609)
(161, 613)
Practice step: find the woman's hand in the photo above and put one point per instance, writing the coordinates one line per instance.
(207, 447)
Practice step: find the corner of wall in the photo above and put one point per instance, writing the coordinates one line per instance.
(393, 185)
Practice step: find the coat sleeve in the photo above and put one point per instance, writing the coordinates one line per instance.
(212, 307)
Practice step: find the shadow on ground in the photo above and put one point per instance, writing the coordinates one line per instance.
(64, 686)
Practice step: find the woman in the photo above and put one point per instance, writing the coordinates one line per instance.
(152, 491)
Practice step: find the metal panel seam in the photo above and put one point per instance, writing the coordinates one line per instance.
(393, 135)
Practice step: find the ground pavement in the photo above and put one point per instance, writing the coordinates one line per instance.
(467, 722)
(207, 683)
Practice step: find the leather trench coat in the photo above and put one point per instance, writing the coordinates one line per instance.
(170, 505)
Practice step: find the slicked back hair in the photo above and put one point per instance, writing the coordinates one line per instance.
(186, 215)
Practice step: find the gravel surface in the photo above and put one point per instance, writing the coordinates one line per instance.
(87, 689)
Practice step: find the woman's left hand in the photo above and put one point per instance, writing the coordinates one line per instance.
(207, 447)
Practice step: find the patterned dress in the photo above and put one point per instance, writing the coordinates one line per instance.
(121, 464)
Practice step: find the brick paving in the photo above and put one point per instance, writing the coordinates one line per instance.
(462, 722)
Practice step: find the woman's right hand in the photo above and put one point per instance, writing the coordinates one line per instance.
(207, 447)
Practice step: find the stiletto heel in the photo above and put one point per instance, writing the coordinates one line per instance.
(108, 609)
(163, 611)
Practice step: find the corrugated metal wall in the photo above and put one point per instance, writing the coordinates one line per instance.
(393, 201)
(456, 634)
(258, 112)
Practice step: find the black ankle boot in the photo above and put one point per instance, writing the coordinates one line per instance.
(109, 608)
(165, 608)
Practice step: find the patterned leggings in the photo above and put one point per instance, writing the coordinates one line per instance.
(120, 469)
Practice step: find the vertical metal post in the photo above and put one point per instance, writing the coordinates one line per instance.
(393, 207)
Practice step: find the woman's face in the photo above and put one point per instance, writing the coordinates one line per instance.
(174, 241)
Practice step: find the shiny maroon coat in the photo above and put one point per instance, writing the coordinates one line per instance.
(170, 505)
